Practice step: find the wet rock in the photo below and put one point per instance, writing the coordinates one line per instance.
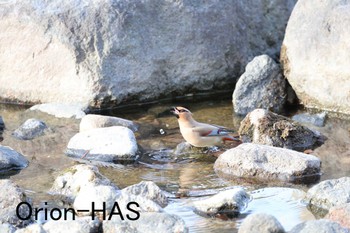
(2, 128)
(11, 196)
(11, 159)
(314, 119)
(263, 127)
(61, 110)
(340, 214)
(76, 178)
(185, 148)
(330, 193)
(81, 224)
(104, 144)
(143, 204)
(228, 202)
(101, 59)
(30, 129)
(7, 228)
(260, 223)
(321, 225)
(146, 223)
(102, 196)
(266, 162)
(92, 121)
(33, 228)
(149, 190)
(318, 74)
(262, 85)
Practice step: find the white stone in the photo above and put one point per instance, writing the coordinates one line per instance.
(266, 162)
(93, 121)
(33, 228)
(61, 110)
(105, 144)
(81, 224)
(228, 201)
(260, 222)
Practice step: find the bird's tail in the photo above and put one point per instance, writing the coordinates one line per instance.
(230, 138)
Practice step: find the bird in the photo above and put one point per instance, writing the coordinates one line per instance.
(201, 134)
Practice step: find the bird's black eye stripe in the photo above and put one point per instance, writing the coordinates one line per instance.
(182, 110)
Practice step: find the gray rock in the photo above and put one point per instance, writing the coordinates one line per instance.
(330, 193)
(33, 228)
(319, 226)
(74, 179)
(2, 124)
(143, 204)
(11, 159)
(62, 110)
(314, 119)
(260, 223)
(340, 214)
(229, 202)
(111, 52)
(315, 54)
(146, 223)
(263, 127)
(266, 162)
(7, 228)
(30, 129)
(92, 121)
(185, 148)
(99, 195)
(149, 190)
(82, 224)
(104, 144)
(11, 196)
(262, 85)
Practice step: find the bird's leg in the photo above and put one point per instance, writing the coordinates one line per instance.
(85, 154)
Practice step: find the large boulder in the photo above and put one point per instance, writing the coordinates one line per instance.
(261, 86)
(104, 144)
(330, 193)
(264, 127)
(109, 52)
(11, 196)
(315, 54)
(11, 159)
(266, 162)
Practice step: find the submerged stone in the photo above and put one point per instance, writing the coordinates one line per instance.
(11, 160)
(30, 129)
(61, 110)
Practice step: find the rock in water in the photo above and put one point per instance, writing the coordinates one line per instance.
(102, 53)
(315, 119)
(263, 127)
(261, 86)
(11, 159)
(229, 202)
(61, 110)
(315, 54)
(92, 121)
(30, 129)
(11, 196)
(262, 223)
(330, 193)
(320, 225)
(109, 144)
(250, 160)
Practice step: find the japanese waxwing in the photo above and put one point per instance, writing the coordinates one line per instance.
(201, 134)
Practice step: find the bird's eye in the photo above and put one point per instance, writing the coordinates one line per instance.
(183, 110)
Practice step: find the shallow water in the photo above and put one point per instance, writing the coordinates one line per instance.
(186, 178)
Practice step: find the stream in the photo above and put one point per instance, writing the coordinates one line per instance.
(186, 178)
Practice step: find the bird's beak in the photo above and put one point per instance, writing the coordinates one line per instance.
(175, 111)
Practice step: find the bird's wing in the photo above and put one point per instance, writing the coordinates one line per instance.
(211, 130)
